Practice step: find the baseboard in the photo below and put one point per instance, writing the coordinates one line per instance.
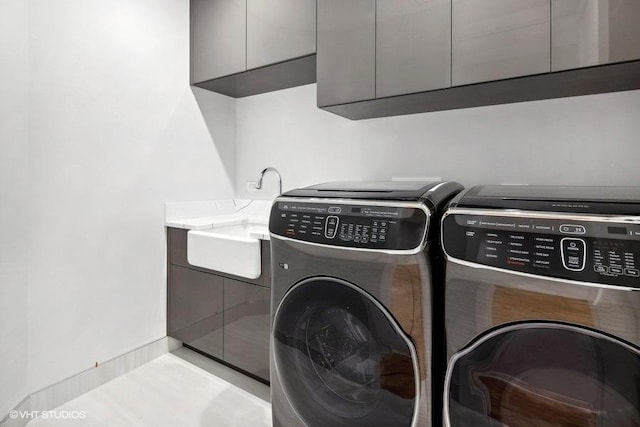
(63, 391)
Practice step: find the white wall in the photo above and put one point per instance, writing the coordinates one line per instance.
(14, 187)
(590, 140)
(114, 132)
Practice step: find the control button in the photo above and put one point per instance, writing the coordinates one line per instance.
(573, 253)
(331, 227)
(334, 210)
(615, 269)
(572, 229)
(542, 227)
(633, 272)
(602, 269)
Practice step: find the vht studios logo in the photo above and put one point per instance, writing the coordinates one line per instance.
(51, 415)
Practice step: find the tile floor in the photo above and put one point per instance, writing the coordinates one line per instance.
(181, 389)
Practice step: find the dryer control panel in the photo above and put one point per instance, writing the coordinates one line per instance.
(598, 250)
(384, 226)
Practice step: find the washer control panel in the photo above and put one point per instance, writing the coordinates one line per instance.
(355, 225)
(595, 251)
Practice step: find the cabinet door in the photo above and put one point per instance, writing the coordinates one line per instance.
(346, 57)
(195, 315)
(592, 32)
(413, 46)
(499, 39)
(218, 38)
(279, 30)
(246, 326)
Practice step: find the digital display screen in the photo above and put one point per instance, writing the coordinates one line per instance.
(617, 230)
(356, 210)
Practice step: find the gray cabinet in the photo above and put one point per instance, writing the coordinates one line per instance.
(594, 32)
(499, 39)
(195, 309)
(218, 38)
(413, 46)
(279, 30)
(246, 326)
(245, 47)
(371, 49)
(346, 63)
(379, 58)
(220, 315)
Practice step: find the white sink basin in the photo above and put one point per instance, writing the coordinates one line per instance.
(232, 249)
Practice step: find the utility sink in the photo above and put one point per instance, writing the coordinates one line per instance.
(232, 249)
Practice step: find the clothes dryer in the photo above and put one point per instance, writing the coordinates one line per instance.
(542, 307)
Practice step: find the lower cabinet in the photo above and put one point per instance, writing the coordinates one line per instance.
(246, 327)
(195, 309)
(220, 316)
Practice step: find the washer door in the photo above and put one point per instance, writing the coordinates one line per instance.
(342, 359)
(540, 374)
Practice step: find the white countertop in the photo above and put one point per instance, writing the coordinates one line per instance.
(210, 214)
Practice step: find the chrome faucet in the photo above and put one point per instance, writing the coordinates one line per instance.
(265, 170)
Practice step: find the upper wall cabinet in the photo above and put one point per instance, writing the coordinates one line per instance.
(346, 51)
(381, 58)
(593, 32)
(499, 39)
(279, 30)
(245, 47)
(218, 38)
(413, 46)
(371, 49)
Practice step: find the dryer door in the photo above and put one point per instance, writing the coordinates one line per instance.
(539, 374)
(342, 359)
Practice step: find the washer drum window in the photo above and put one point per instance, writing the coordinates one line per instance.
(544, 375)
(341, 358)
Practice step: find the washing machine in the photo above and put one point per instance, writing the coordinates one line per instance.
(353, 266)
(542, 312)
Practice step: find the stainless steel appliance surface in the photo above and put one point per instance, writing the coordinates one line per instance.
(542, 307)
(353, 270)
